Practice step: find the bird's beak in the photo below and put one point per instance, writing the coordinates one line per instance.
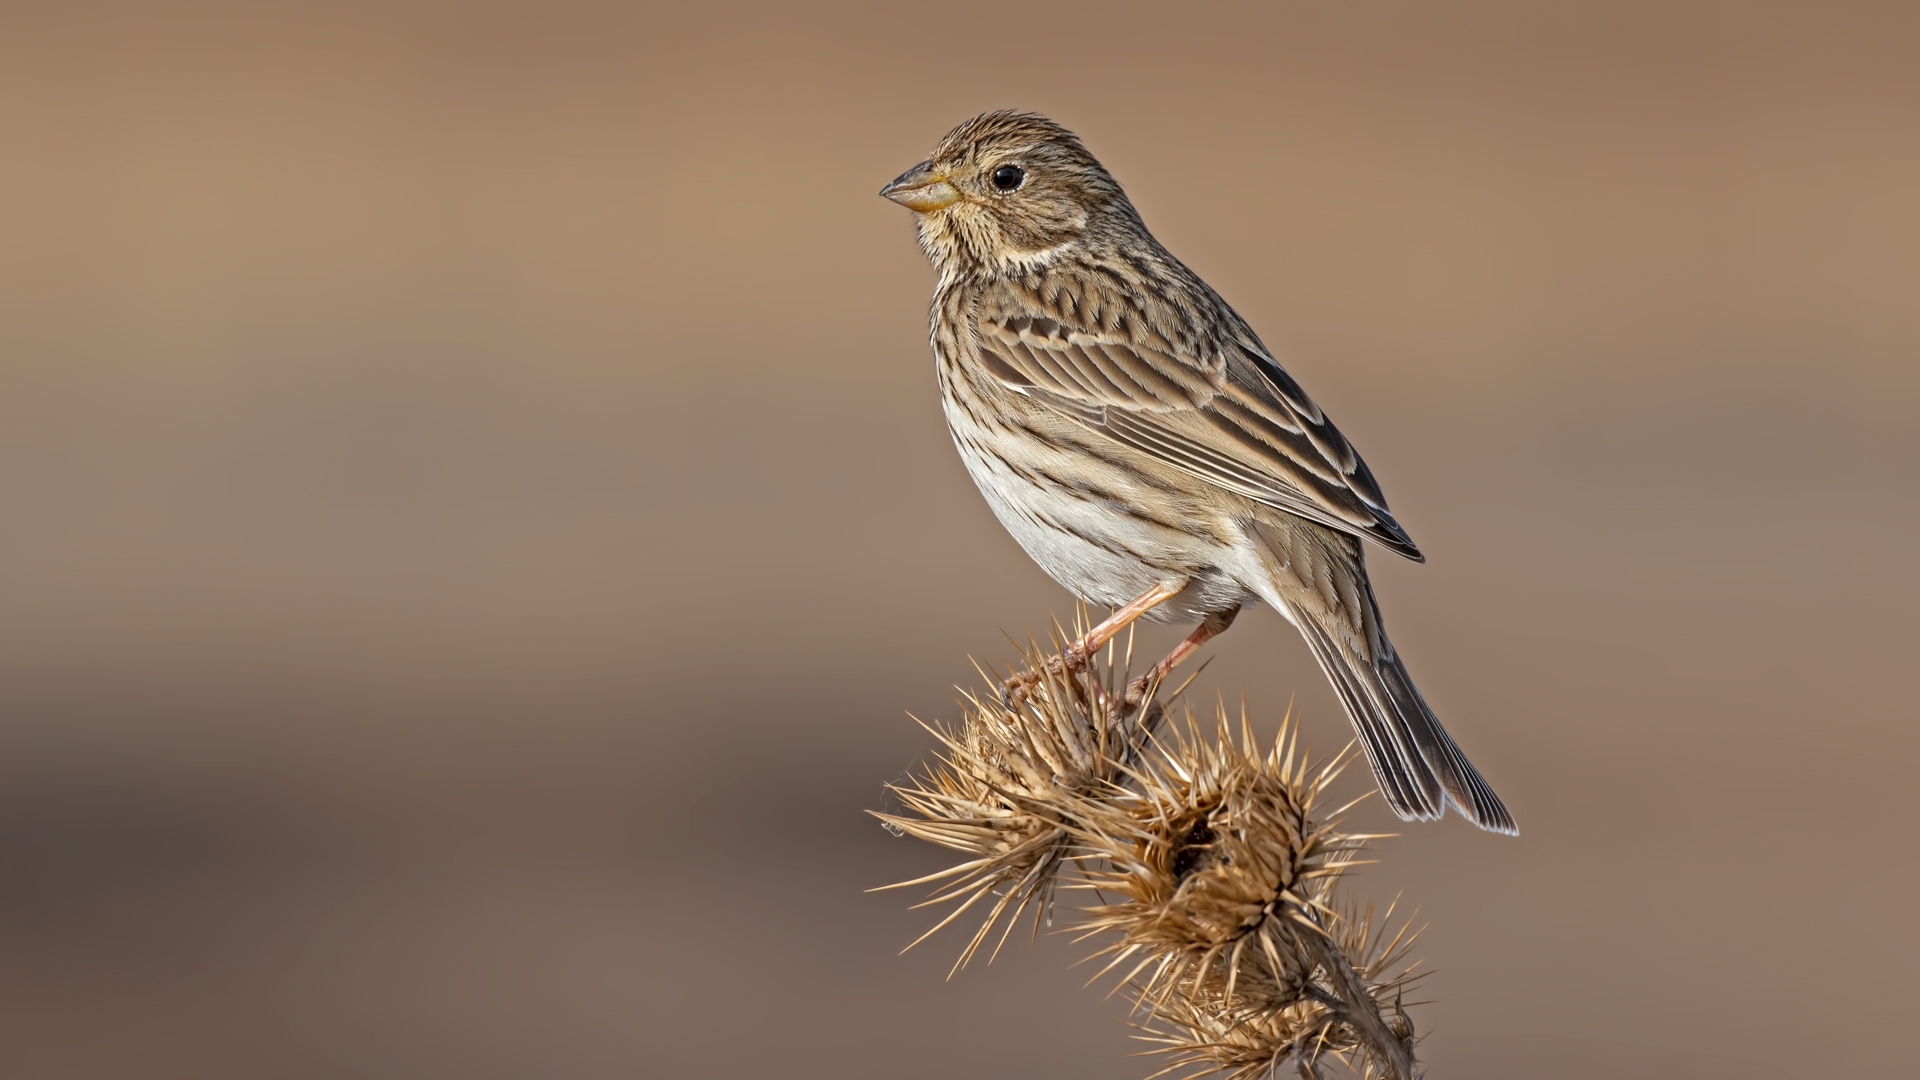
(921, 189)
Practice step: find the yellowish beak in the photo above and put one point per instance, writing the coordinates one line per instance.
(921, 189)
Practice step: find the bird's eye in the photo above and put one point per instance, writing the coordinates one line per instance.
(1008, 177)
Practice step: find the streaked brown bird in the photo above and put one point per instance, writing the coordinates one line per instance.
(1137, 439)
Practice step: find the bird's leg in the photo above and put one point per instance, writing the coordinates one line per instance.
(1075, 657)
(1209, 627)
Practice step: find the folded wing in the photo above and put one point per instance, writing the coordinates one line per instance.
(1235, 419)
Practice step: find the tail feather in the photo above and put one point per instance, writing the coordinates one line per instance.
(1318, 579)
(1468, 789)
(1410, 785)
(1417, 763)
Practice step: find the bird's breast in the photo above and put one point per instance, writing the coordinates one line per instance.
(1101, 519)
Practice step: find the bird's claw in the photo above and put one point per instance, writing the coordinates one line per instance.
(1017, 688)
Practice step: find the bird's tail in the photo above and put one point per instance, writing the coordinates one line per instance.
(1417, 764)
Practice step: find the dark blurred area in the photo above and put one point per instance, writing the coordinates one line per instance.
(478, 515)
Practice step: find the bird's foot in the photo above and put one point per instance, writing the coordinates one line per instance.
(1017, 689)
(1139, 689)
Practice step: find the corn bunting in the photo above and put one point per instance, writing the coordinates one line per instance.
(1137, 439)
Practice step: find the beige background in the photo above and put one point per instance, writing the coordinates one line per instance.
(477, 514)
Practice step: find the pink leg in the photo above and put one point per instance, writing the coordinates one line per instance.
(1076, 655)
(1209, 628)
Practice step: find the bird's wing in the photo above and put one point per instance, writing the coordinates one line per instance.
(1237, 419)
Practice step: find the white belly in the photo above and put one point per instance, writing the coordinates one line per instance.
(1093, 545)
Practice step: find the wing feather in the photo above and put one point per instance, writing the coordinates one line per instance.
(1237, 420)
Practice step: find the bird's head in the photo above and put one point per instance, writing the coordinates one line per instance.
(1008, 192)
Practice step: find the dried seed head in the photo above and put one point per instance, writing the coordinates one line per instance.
(1260, 1027)
(1007, 779)
(1215, 862)
(1214, 875)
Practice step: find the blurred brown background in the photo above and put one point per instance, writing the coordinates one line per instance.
(477, 514)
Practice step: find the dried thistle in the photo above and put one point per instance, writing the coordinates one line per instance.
(1213, 874)
(1216, 863)
(1008, 775)
(1259, 1027)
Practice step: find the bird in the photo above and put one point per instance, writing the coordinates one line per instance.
(1137, 439)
